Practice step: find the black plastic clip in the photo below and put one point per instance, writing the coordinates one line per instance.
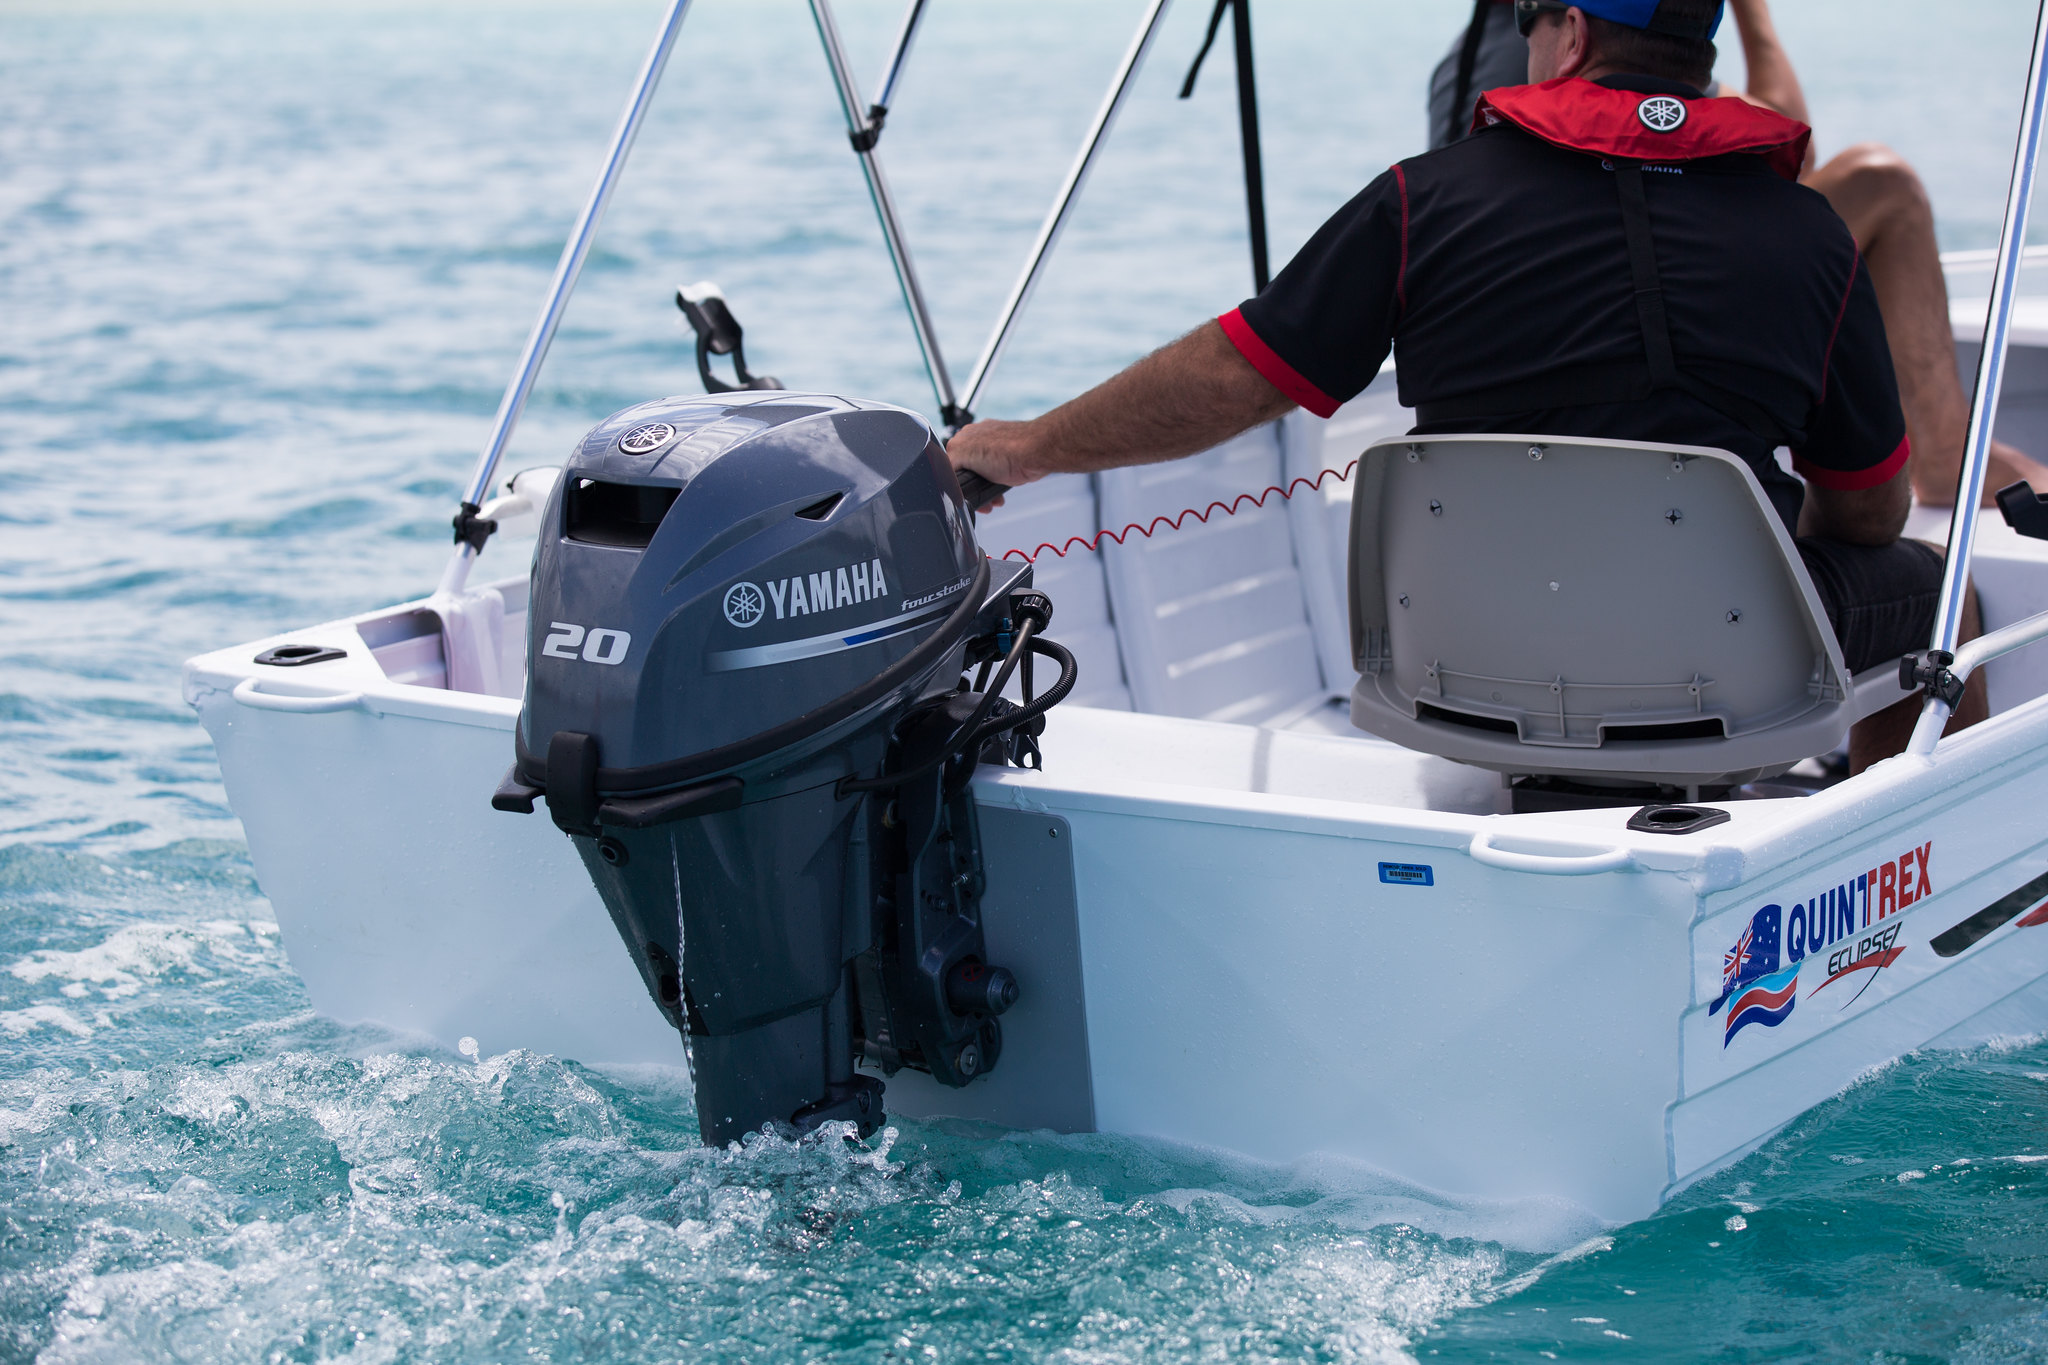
(2024, 510)
(955, 416)
(571, 777)
(1017, 746)
(1931, 671)
(471, 529)
(864, 141)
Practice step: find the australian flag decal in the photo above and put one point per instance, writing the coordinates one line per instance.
(1752, 986)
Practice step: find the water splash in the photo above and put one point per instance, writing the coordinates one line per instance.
(266, 272)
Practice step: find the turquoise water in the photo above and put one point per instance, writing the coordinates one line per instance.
(262, 271)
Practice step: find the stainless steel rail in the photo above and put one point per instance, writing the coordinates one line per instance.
(1063, 203)
(898, 55)
(2012, 239)
(1974, 654)
(864, 134)
(566, 270)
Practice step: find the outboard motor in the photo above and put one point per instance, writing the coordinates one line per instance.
(745, 705)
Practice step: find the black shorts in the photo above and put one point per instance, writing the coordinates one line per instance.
(1880, 599)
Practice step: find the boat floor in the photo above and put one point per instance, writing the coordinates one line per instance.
(1314, 753)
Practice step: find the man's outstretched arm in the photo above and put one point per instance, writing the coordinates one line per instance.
(1185, 397)
(1772, 81)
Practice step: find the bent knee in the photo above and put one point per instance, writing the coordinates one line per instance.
(1871, 172)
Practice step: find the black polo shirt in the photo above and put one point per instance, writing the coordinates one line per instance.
(1502, 261)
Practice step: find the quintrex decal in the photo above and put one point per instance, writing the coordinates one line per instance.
(1760, 974)
(1871, 953)
(2034, 894)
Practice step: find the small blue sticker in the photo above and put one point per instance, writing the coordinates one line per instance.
(1408, 874)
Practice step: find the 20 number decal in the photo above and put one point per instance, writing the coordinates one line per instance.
(600, 646)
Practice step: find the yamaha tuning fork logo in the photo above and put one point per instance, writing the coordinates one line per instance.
(643, 440)
(1662, 113)
(744, 605)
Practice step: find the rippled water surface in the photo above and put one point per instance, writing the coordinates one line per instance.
(262, 271)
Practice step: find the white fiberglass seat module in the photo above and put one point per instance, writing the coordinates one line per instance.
(1607, 611)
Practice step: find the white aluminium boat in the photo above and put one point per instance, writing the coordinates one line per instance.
(1235, 919)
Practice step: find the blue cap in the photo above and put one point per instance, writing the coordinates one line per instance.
(1643, 14)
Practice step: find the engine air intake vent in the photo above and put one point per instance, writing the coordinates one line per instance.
(625, 514)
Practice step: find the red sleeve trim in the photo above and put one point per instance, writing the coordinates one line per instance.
(1855, 480)
(1276, 371)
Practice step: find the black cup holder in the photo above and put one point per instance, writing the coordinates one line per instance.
(297, 656)
(1677, 819)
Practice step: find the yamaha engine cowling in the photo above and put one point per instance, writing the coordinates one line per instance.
(745, 705)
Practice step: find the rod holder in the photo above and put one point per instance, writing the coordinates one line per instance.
(2024, 510)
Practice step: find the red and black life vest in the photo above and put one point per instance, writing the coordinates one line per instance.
(1630, 131)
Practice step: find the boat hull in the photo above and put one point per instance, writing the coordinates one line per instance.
(1257, 948)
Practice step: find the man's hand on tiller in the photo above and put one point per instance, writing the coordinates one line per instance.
(997, 450)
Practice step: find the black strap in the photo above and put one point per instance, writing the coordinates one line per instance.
(1247, 123)
(1620, 381)
(1649, 289)
(1468, 63)
(1642, 265)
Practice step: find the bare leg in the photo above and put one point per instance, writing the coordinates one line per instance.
(1885, 734)
(1887, 209)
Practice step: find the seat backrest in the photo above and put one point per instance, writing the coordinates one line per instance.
(1319, 457)
(1605, 609)
(1211, 618)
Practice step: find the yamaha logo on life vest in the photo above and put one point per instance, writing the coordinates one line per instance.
(1662, 113)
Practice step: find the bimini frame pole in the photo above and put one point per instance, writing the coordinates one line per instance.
(1056, 221)
(1948, 622)
(898, 55)
(864, 135)
(566, 270)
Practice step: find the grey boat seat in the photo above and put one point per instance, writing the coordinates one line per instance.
(1599, 611)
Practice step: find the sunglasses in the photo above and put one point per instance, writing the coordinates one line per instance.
(1527, 10)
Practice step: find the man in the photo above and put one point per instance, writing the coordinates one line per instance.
(1876, 192)
(1616, 255)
